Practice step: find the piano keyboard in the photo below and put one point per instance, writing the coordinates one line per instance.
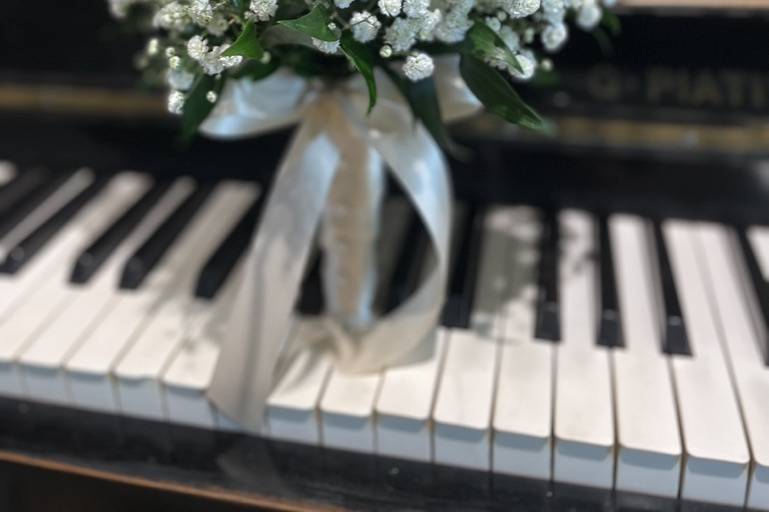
(604, 350)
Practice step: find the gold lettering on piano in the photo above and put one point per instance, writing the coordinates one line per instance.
(681, 87)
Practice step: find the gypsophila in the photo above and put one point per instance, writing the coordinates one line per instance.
(418, 66)
(192, 43)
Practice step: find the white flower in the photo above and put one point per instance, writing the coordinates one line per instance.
(554, 36)
(176, 102)
(415, 8)
(365, 26)
(427, 24)
(153, 46)
(174, 62)
(385, 51)
(390, 7)
(342, 4)
(418, 66)
(211, 96)
(180, 80)
(172, 16)
(453, 27)
(201, 12)
(330, 47)
(218, 25)
(589, 15)
(401, 35)
(493, 23)
(263, 10)
(521, 8)
(119, 8)
(528, 65)
(197, 48)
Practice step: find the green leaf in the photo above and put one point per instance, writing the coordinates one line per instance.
(314, 24)
(197, 107)
(497, 95)
(363, 60)
(422, 97)
(257, 70)
(247, 44)
(611, 22)
(483, 43)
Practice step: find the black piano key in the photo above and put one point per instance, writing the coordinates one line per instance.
(609, 321)
(30, 200)
(463, 274)
(548, 315)
(759, 285)
(674, 337)
(409, 263)
(92, 258)
(28, 248)
(13, 193)
(223, 260)
(144, 260)
(311, 302)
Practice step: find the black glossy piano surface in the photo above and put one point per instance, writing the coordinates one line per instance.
(664, 167)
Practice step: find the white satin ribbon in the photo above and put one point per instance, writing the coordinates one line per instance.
(262, 314)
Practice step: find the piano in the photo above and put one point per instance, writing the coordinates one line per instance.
(604, 344)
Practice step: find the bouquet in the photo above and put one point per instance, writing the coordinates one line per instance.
(370, 83)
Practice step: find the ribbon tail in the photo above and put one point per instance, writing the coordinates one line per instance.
(261, 318)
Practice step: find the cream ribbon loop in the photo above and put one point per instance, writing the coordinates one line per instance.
(261, 318)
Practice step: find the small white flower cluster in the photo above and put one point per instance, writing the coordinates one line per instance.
(194, 34)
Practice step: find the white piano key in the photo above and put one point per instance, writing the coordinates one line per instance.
(734, 300)
(89, 368)
(14, 287)
(406, 401)
(67, 191)
(523, 412)
(648, 437)
(19, 326)
(759, 240)
(139, 371)
(42, 363)
(347, 411)
(717, 457)
(292, 407)
(465, 402)
(189, 374)
(462, 415)
(584, 421)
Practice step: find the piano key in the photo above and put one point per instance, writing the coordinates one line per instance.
(223, 261)
(464, 404)
(459, 231)
(734, 299)
(464, 273)
(404, 406)
(43, 363)
(191, 369)
(94, 256)
(311, 301)
(717, 458)
(548, 322)
(14, 193)
(141, 263)
(20, 325)
(757, 282)
(88, 367)
(292, 407)
(523, 411)
(410, 263)
(348, 403)
(584, 419)
(649, 449)
(30, 246)
(610, 324)
(39, 205)
(138, 372)
(675, 338)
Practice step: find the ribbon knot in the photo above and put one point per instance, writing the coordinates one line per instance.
(333, 128)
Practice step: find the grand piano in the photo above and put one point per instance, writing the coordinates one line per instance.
(603, 345)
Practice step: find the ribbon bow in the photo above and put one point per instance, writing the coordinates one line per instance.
(331, 123)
